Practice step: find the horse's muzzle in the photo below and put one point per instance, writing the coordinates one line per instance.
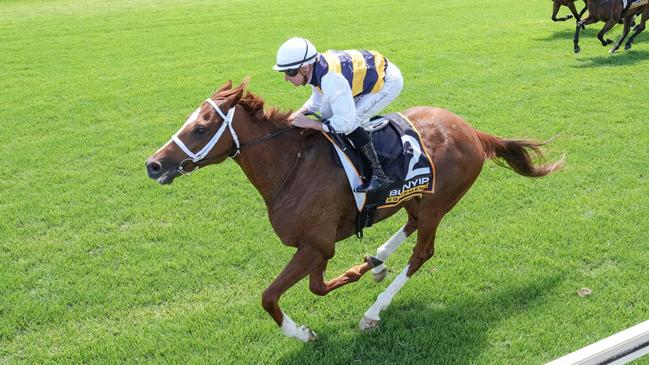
(153, 168)
(156, 171)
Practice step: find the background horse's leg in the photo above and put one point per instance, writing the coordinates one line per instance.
(424, 250)
(627, 28)
(555, 11)
(387, 249)
(638, 29)
(582, 25)
(574, 12)
(609, 24)
(581, 13)
(299, 266)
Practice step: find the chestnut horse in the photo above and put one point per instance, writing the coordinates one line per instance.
(309, 201)
(611, 12)
(570, 4)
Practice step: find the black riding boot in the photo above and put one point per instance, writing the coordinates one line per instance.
(379, 180)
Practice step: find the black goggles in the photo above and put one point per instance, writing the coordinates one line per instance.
(292, 72)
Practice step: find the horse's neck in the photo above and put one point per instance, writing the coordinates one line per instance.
(268, 165)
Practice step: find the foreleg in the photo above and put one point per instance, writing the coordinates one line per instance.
(319, 286)
(581, 13)
(574, 12)
(300, 265)
(581, 25)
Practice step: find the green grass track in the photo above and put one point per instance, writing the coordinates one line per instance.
(99, 264)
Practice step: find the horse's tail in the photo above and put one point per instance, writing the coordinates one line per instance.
(517, 154)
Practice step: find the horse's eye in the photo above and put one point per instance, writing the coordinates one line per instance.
(199, 130)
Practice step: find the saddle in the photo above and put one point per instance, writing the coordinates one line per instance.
(402, 157)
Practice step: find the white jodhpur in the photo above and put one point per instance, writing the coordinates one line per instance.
(371, 318)
(302, 333)
(385, 251)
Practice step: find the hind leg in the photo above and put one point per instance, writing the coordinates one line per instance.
(638, 29)
(555, 11)
(424, 250)
(386, 250)
(627, 28)
(609, 24)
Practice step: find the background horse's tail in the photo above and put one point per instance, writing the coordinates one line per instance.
(517, 154)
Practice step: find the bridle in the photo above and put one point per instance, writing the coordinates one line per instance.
(200, 156)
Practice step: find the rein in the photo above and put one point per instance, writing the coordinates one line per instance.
(234, 151)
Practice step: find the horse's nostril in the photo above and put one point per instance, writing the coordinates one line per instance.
(153, 168)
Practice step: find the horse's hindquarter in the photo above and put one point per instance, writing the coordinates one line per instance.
(451, 143)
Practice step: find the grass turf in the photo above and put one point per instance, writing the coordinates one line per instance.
(99, 264)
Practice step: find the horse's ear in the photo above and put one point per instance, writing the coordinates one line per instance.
(226, 86)
(232, 99)
(233, 96)
(244, 83)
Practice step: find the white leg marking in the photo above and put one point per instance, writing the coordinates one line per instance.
(371, 318)
(383, 252)
(302, 333)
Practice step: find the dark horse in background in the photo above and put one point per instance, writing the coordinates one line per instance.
(612, 12)
(570, 4)
(309, 201)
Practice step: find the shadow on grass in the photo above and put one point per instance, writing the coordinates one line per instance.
(417, 333)
(588, 34)
(567, 35)
(621, 58)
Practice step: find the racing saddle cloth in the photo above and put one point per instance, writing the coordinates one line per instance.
(404, 160)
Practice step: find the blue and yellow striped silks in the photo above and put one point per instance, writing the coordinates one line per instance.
(363, 70)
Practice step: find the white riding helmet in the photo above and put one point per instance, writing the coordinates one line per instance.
(295, 53)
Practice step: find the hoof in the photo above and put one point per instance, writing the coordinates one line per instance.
(577, 49)
(609, 41)
(308, 334)
(612, 50)
(367, 324)
(379, 276)
(627, 46)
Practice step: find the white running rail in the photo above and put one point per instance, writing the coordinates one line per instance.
(619, 348)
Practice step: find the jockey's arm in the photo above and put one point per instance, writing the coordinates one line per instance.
(311, 105)
(338, 93)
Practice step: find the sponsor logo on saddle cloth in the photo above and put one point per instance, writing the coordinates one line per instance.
(634, 4)
(398, 145)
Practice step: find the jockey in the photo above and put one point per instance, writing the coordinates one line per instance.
(348, 88)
